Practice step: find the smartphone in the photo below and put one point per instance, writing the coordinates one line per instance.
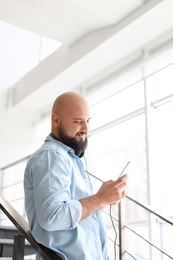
(122, 172)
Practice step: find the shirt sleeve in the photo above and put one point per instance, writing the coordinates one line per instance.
(51, 177)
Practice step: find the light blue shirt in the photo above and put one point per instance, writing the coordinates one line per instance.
(54, 182)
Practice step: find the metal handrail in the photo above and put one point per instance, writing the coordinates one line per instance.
(147, 240)
(124, 225)
(23, 229)
(149, 209)
(146, 207)
(15, 162)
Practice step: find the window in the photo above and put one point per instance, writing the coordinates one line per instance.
(118, 105)
(146, 140)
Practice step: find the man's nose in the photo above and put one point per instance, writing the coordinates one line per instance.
(85, 126)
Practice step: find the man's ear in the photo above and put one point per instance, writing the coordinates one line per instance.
(55, 119)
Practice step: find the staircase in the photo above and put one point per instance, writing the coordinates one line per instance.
(7, 234)
(13, 240)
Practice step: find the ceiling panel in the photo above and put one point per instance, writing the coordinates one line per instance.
(96, 36)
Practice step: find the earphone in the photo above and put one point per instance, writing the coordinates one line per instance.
(110, 207)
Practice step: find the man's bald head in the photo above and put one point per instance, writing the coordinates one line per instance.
(67, 102)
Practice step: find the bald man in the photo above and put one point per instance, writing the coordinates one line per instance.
(63, 212)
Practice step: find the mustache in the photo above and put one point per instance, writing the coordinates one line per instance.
(82, 133)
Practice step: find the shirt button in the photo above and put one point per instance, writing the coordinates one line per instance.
(94, 215)
(98, 239)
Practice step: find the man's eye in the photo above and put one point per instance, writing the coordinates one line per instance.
(77, 121)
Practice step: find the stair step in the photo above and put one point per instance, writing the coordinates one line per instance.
(32, 257)
(10, 258)
(8, 231)
(6, 248)
(6, 241)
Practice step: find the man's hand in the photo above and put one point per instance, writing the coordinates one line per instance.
(110, 192)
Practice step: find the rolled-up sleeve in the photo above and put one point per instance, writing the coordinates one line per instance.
(55, 207)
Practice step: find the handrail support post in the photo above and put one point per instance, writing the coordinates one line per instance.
(19, 247)
(121, 232)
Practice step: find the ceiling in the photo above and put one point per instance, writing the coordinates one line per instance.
(97, 36)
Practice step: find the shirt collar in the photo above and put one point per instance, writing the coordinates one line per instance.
(68, 149)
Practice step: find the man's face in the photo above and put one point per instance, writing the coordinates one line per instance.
(76, 135)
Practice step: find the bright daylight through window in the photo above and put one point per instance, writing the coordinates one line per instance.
(136, 124)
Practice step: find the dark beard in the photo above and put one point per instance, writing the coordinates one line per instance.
(79, 147)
